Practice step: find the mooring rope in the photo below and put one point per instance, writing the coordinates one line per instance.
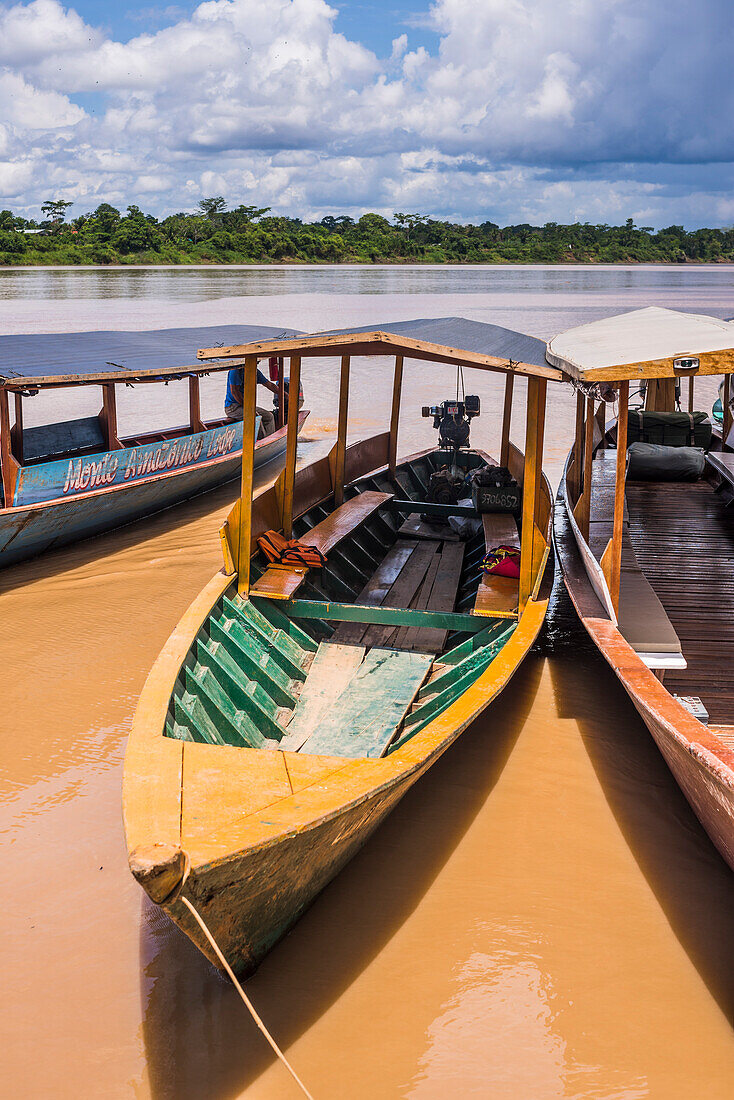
(248, 1003)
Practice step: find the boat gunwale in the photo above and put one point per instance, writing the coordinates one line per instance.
(391, 768)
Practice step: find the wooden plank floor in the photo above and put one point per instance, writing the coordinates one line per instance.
(332, 669)
(402, 591)
(377, 589)
(683, 539)
(438, 593)
(415, 573)
(365, 717)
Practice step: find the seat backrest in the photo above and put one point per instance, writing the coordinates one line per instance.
(69, 436)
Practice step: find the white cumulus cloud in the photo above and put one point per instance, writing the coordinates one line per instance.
(524, 110)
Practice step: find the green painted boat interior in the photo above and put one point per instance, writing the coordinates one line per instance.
(377, 644)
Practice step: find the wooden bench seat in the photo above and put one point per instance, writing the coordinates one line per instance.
(644, 623)
(498, 595)
(50, 441)
(722, 463)
(280, 582)
(642, 619)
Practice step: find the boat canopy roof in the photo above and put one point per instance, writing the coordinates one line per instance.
(646, 343)
(68, 358)
(452, 340)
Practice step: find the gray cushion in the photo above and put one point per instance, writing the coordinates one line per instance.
(651, 462)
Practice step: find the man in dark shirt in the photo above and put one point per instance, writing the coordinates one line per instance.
(234, 395)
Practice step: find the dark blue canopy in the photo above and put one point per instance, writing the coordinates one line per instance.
(463, 335)
(53, 358)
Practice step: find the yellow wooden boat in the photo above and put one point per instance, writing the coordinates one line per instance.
(292, 707)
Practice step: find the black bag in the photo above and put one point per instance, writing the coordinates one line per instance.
(652, 462)
(494, 489)
(669, 429)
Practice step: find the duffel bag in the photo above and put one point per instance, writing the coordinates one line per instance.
(669, 429)
(653, 462)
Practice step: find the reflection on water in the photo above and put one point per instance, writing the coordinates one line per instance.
(542, 916)
(201, 283)
(504, 1000)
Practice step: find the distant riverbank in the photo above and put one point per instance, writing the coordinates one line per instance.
(123, 264)
(251, 235)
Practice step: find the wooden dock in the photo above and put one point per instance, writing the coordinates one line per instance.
(683, 539)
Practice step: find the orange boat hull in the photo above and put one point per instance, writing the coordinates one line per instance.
(700, 760)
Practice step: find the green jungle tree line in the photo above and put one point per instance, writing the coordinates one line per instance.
(250, 234)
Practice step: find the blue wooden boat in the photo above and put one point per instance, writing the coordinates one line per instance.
(63, 482)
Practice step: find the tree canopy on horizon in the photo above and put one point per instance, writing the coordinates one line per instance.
(252, 234)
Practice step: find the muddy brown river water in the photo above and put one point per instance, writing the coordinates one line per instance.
(541, 917)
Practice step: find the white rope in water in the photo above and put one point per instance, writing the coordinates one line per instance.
(245, 998)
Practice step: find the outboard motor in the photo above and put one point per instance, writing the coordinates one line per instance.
(452, 421)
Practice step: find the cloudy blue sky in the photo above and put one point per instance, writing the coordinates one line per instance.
(507, 110)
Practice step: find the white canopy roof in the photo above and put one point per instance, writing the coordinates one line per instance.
(643, 343)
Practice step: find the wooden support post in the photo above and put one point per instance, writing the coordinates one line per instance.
(397, 386)
(660, 395)
(726, 426)
(539, 537)
(195, 421)
(690, 393)
(531, 476)
(281, 392)
(341, 432)
(582, 511)
(614, 568)
(16, 434)
(601, 421)
(9, 466)
(289, 473)
(578, 450)
(540, 432)
(109, 417)
(507, 419)
(249, 398)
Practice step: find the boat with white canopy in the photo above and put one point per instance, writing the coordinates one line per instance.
(646, 535)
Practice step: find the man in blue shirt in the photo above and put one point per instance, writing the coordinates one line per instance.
(234, 396)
